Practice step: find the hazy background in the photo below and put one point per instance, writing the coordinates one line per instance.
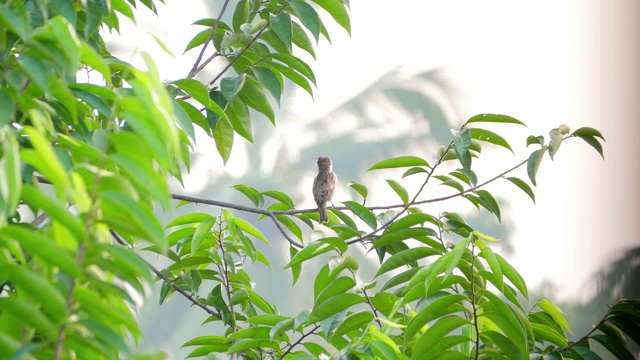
(411, 71)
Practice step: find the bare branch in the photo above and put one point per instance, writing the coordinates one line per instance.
(196, 68)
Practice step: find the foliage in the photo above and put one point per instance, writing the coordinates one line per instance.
(84, 162)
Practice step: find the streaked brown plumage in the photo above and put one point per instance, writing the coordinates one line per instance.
(323, 187)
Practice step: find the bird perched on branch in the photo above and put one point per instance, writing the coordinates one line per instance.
(324, 186)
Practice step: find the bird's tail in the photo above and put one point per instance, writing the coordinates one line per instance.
(322, 211)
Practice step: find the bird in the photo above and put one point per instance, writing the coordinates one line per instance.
(324, 186)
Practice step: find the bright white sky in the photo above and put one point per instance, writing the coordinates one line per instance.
(539, 61)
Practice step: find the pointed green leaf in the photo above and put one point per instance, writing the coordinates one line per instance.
(534, 163)
(589, 132)
(555, 312)
(361, 189)
(254, 195)
(333, 306)
(230, 86)
(363, 213)
(591, 140)
(281, 25)
(201, 232)
(434, 333)
(491, 137)
(400, 161)
(223, 135)
(400, 190)
(405, 258)
(270, 81)
(309, 17)
(337, 10)
(523, 186)
(494, 118)
(250, 229)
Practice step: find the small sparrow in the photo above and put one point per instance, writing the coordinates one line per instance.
(323, 187)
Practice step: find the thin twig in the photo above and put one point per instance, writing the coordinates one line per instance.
(299, 340)
(195, 69)
(604, 318)
(193, 300)
(244, 49)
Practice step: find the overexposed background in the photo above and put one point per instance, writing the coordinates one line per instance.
(544, 62)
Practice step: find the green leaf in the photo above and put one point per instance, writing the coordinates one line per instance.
(588, 131)
(270, 81)
(452, 262)
(238, 114)
(125, 215)
(44, 159)
(16, 22)
(201, 232)
(250, 229)
(461, 143)
(280, 196)
(333, 306)
(188, 219)
(238, 297)
(295, 269)
(253, 95)
(547, 333)
(436, 309)
(293, 76)
(241, 14)
(400, 161)
(309, 17)
(513, 276)
(394, 237)
(534, 163)
(591, 140)
(405, 258)
(338, 286)
(614, 346)
(301, 39)
(489, 202)
(254, 195)
(195, 116)
(6, 108)
(400, 190)
(411, 220)
(30, 315)
(230, 86)
(435, 333)
(338, 11)
(504, 343)
(363, 213)
(281, 25)
(555, 312)
(494, 118)
(355, 321)
(490, 137)
(38, 288)
(359, 188)
(504, 317)
(37, 244)
(523, 186)
(223, 135)
(195, 89)
(316, 248)
(492, 260)
(535, 140)
(37, 199)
